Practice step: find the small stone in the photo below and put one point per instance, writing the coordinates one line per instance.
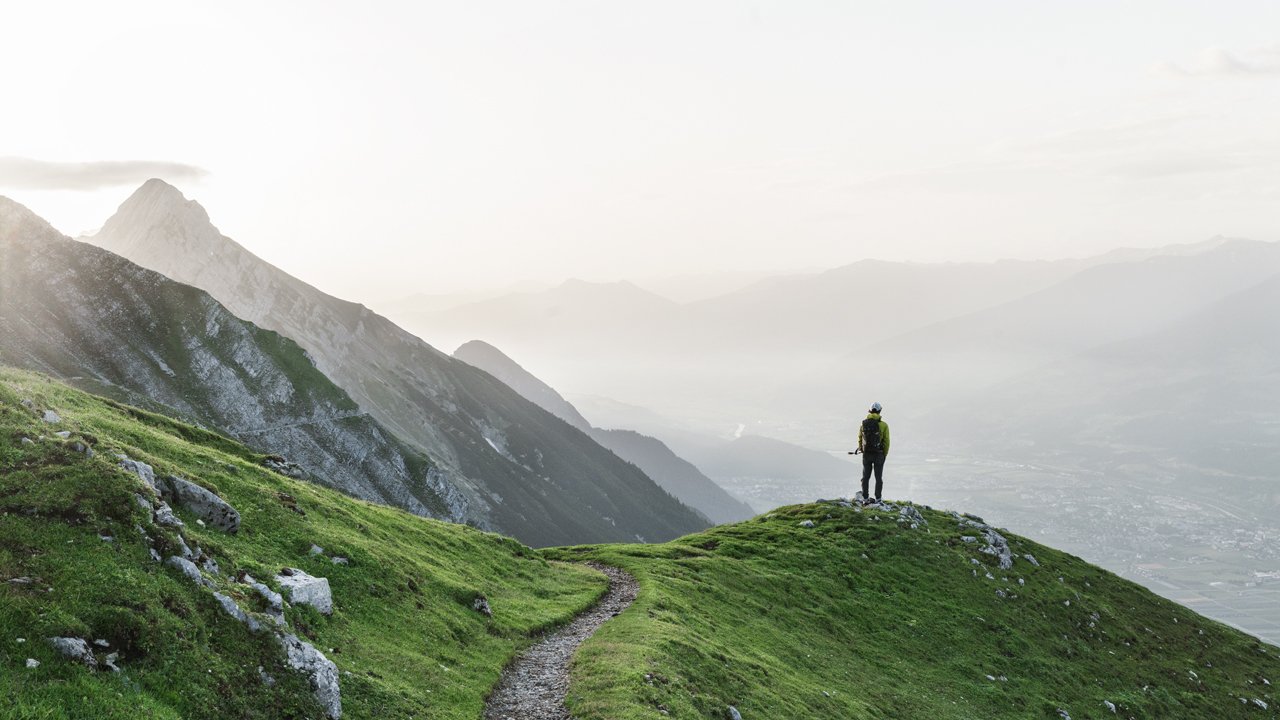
(52, 417)
(101, 643)
(339, 560)
(32, 663)
(1260, 703)
(265, 678)
(734, 714)
(1110, 706)
(28, 441)
(481, 605)
(315, 550)
(1031, 559)
(968, 538)
(64, 434)
(806, 524)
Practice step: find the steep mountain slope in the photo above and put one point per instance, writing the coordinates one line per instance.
(80, 312)
(404, 634)
(493, 361)
(831, 611)
(531, 474)
(673, 474)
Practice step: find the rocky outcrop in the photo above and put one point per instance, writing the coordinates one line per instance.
(204, 503)
(320, 671)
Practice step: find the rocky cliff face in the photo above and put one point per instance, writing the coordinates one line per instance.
(533, 475)
(105, 324)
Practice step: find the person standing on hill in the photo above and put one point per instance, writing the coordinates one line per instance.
(873, 443)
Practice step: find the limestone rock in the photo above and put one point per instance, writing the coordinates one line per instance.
(734, 714)
(999, 547)
(141, 469)
(51, 417)
(165, 516)
(75, 649)
(188, 568)
(234, 611)
(322, 673)
(806, 523)
(33, 663)
(304, 589)
(481, 605)
(205, 504)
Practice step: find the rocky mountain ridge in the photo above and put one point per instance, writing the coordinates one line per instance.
(92, 317)
(526, 471)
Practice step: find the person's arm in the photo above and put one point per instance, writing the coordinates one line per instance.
(884, 437)
(859, 437)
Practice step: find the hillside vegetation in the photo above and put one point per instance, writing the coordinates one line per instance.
(864, 616)
(403, 634)
(823, 610)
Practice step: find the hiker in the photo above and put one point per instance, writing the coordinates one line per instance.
(873, 443)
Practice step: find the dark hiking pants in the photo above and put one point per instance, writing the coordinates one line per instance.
(873, 461)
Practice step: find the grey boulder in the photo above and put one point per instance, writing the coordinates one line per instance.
(75, 649)
(205, 504)
(304, 589)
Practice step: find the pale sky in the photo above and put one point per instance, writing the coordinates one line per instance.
(383, 149)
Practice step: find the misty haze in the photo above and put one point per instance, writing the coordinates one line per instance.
(528, 360)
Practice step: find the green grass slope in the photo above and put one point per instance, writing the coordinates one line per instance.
(861, 616)
(404, 636)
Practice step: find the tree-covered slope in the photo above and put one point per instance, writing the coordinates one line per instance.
(863, 616)
(75, 562)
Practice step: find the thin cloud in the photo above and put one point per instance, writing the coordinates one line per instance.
(30, 174)
(1216, 61)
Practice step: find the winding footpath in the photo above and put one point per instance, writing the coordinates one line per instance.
(533, 687)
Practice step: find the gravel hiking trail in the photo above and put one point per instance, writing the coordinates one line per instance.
(533, 686)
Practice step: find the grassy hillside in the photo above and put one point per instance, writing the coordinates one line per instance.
(812, 611)
(404, 635)
(863, 617)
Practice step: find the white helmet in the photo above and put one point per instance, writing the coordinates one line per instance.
(875, 407)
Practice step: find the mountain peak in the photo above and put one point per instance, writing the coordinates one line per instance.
(156, 223)
(157, 198)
